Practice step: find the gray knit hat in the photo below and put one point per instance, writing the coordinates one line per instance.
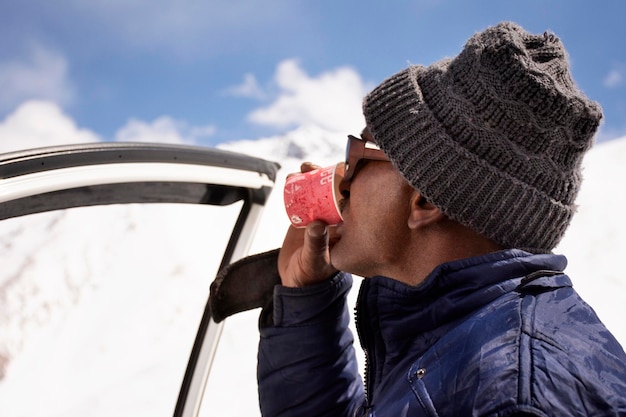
(493, 137)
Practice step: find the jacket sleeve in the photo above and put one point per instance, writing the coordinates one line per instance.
(306, 362)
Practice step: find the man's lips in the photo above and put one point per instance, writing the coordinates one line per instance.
(335, 235)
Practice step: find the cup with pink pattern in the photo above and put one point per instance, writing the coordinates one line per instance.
(314, 195)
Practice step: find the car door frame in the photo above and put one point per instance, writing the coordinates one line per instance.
(54, 178)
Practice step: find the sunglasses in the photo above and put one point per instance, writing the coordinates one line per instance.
(359, 149)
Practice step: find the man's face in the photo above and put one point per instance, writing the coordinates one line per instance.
(374, 219)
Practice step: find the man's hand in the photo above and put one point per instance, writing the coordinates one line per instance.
(304, 258)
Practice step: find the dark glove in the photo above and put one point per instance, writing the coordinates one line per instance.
(244, 285)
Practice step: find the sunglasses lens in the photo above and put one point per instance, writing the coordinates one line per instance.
(348, 166)
(358, 150)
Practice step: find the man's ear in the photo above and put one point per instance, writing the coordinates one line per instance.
(422, 213)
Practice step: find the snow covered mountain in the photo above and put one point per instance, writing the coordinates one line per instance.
(99, 306)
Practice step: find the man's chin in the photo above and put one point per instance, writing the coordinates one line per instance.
(337, 255)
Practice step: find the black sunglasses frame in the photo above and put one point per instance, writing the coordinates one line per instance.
(359, 149)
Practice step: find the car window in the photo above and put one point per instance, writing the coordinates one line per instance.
(99, 306)
(231, 389)
(105, 274)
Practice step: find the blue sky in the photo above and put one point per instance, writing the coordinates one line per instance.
(218, 71)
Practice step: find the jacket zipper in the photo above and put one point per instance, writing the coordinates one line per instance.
(361, 320)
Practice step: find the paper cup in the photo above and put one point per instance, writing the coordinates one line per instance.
(314, 195)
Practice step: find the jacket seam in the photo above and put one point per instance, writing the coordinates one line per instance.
(526, 365)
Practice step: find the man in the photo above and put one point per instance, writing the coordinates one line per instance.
(464, 310)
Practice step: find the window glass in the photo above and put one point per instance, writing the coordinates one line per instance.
(99, 306)
(231, 389)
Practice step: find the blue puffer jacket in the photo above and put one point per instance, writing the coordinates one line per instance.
(498, 335)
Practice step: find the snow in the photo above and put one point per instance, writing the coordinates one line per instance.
(99, 306)
(596, 240)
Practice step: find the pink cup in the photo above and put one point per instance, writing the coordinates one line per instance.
(314, 195)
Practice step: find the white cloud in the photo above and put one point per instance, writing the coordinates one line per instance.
(613, 79)
(40, 123)
(41, 74)
(331, 100)
(249, 88)
(162, 130)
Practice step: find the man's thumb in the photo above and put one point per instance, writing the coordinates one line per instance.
(317, 235)
(315, 250)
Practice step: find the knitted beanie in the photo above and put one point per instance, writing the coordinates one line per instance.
(493, 137)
